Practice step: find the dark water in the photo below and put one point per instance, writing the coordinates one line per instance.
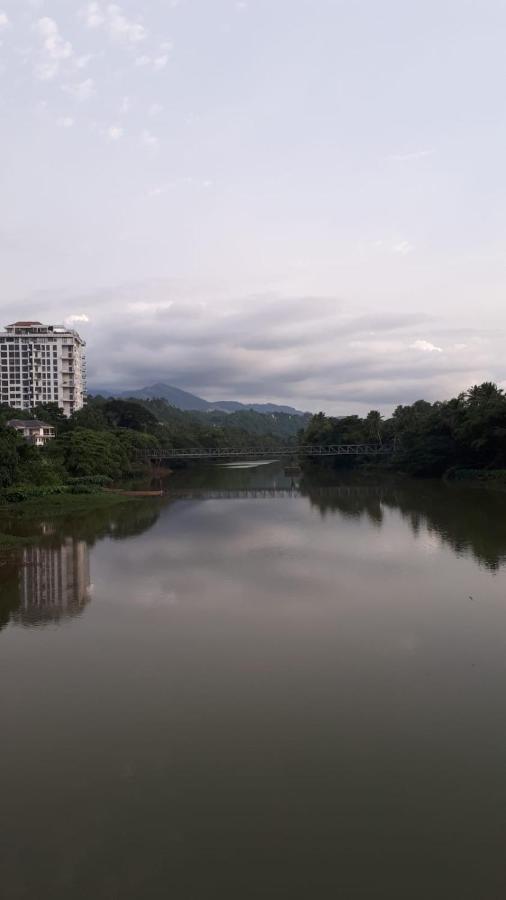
(258, 688)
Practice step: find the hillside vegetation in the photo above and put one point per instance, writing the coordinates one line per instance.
(100, 442)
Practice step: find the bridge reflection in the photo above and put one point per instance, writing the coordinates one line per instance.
(262, 493)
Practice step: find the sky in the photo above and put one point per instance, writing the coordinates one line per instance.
(300, 201)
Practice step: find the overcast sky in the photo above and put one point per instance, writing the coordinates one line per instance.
(294, 200)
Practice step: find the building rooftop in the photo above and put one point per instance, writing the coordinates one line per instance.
(28, 423)
(23, 324)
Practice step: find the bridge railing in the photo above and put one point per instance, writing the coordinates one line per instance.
(364, 449)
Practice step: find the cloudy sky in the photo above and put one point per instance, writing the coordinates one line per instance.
(295, 200)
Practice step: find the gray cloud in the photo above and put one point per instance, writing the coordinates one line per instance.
(310, 351)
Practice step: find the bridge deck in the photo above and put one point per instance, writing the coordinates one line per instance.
(265, 452)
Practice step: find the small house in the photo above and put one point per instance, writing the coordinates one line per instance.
(33, 430)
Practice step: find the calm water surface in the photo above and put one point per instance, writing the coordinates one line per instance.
(257, 688)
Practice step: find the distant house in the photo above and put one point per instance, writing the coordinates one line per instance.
(33, 430)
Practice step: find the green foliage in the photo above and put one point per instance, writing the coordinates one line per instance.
(99, 443)
(128, 414)
(88, 452)
(9, 456)
(468, 431)
(237, 425)
(50, 413)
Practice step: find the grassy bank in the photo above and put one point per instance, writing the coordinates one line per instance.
(63, 503)
(491, 478)
(13, 541)
(17, 516)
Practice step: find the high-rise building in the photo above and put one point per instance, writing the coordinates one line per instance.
(42, 364)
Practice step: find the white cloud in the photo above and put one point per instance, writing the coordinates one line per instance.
(82, 90)
(149, 140)
(77, 317)
(4, 20)
(54, 45)
(155, 109)
(125, 105)
(123, 29)
(82, 61)
(55, 49)
(425, 347)
(156, 62)
(65, 122)
(157, 191)
(160, 61)
(403, 247)
(406, 157)
(115, 132)
(92, 15)
(119, 26)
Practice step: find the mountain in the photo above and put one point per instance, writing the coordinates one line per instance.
(189, 402)
(173, 395)
(265, 408)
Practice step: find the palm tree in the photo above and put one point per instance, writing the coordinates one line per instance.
(374, 423)
(483, 393)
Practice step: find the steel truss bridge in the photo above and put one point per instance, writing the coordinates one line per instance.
(305, 450)
(277, 493)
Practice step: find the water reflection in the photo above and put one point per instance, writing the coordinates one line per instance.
(467, 519)
(54, 582)
(50, 581)
(275, 681)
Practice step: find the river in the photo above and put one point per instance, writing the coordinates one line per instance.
(258, 686)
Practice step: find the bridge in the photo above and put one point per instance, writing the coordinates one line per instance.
(305, 450)
(269, 492)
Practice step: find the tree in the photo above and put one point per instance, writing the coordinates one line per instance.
(52, 414)
(9, 456)
(479, 394)
(88, 452)
(374, 421)
(129, 414)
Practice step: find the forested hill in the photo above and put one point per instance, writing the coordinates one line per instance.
(191, 402)
(277, 424)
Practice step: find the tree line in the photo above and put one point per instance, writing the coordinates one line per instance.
(100, 441)
(466, 433)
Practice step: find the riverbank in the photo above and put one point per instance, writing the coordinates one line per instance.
(53, 507)
(55, 504)
(490, 478)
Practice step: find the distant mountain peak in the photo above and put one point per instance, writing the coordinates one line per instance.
(189, 402)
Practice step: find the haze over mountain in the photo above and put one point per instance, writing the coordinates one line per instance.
(189, 402)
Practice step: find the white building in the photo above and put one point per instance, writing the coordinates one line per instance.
(33, 430)
(42, 364)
